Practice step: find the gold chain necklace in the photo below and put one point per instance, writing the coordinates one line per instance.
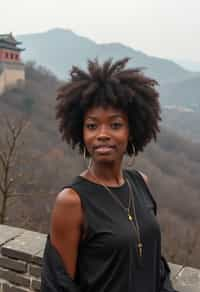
(136, 225)
(130, 217)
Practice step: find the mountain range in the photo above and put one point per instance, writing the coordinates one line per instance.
(189, 65)
(59, 49)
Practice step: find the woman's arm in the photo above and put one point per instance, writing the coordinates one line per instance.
(61, 249)
(66, 224)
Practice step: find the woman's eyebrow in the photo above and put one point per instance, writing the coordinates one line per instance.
(115, 116)
(91, 118)
(110, 116)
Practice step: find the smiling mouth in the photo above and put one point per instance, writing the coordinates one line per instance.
(103, 149)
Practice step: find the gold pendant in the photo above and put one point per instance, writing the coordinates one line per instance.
(130, 218)
(140, 248)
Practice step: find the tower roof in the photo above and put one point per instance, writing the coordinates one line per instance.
(7, 41)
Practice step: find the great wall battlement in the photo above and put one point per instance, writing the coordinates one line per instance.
(11, 66)
(10, 75)
(21, 254)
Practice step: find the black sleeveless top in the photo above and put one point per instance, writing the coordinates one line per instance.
(107, 257)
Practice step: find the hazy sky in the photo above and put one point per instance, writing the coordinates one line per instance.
(161, 28)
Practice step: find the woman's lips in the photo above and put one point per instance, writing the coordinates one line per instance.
(103, 149)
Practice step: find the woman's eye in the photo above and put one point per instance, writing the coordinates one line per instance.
(116, 125)
(91, 126)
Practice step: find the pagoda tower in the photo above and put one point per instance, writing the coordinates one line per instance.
(11, 66)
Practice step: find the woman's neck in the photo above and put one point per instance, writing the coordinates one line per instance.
(111, 175)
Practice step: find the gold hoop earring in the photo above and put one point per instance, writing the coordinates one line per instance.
(132, 159)
(89, 163)
(85, 157)
(84, 152)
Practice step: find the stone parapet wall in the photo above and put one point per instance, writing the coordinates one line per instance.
(20, 259)
(21, 254)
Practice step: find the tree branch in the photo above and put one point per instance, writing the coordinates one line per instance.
(2, 159)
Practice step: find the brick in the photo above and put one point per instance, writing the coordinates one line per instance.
(25, 246)
(35, 271)
(11, 288)
(11, 264)
(14, 277)
(188, 279)
(1, 284)
(35, 284)
(8, 233)
(175, 269)
(37, 258)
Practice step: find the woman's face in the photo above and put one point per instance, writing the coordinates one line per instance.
(105, 133)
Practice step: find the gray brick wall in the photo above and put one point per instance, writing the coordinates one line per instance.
(21, 254)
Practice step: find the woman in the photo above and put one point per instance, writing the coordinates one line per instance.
(104, 235)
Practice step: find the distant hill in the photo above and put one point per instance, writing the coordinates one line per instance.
(189, 65)
(184, 93)
(184, 122)
(59, 49)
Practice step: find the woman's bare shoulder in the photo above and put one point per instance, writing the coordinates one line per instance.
(68, 198)
(66, 222)
(67, 210)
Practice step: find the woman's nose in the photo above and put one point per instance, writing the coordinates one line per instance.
(103, 133)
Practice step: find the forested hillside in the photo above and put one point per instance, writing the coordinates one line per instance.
(184, 122)
(183, 93)
(172, 165)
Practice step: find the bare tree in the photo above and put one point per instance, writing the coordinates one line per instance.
(11, 146)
